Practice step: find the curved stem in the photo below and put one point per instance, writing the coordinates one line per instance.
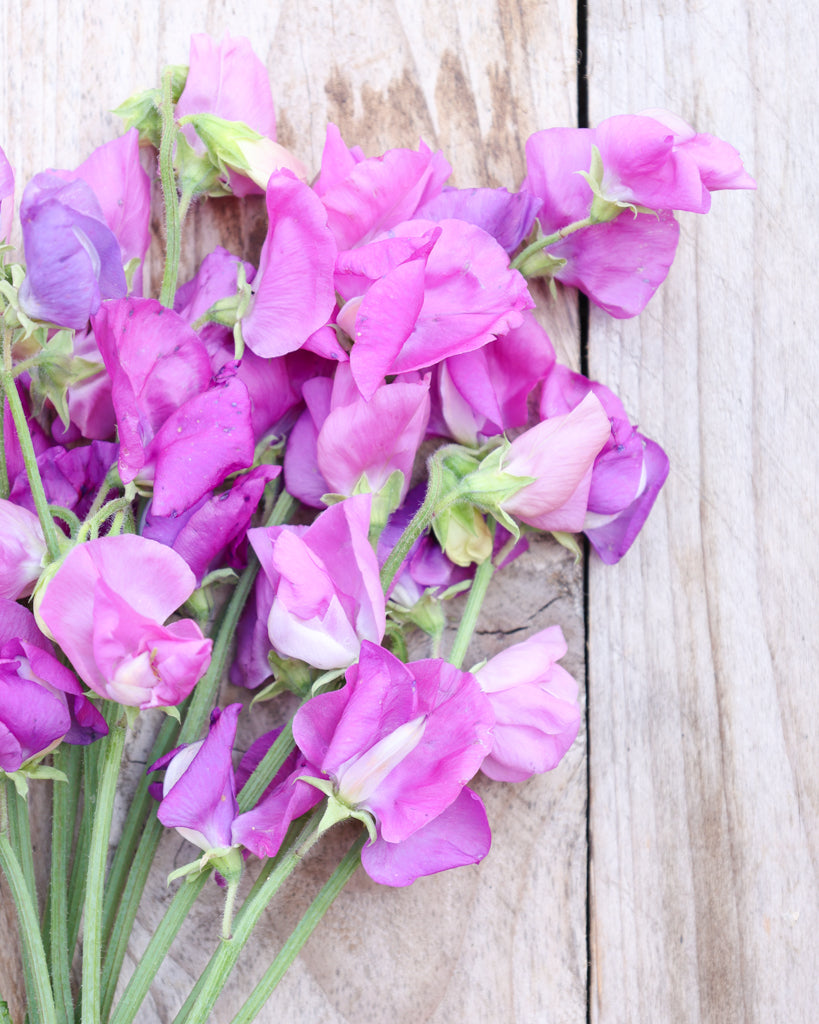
(416, 526)
(95, 879)
(547, 240)
(469, 621)
(302, 932)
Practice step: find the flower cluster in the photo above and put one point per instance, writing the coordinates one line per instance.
(155, 452)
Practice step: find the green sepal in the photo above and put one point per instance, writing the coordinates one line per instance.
(169, 709)
(32, 769)
(55, 370)
(197, 175)
(228, 144)
(337, 810)
(542, 264)
(570, 542)
(210, 858)
(141, 111)
(463, 534)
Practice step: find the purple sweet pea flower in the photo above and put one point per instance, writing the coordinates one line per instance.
(199, 788)
(427, 292)
(71, 476)
(507, 216)
(366, 197)
(293, 293)
(6, 197)
(535, 704)
(559, 454)
(105, 605)
(484, 393)
(328, 595)
(250, 666)
(401, 742)
(73, 259)
(123, 190)
(41, 702)
(262, 829)
(227, 79)
(22, 549)
(341, 438)
(627, 474)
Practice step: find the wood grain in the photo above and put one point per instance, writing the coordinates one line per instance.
(703, 641)
(505, 941)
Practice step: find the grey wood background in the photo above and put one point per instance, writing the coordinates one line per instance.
(667, 870)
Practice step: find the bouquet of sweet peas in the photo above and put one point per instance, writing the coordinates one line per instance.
(225, 483)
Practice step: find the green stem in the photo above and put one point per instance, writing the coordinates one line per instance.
(173, 224)
(543, 243)
(5, 488)
(157, 949)
(18, 414)
(469, 620)
(251, 792)
(228, 951)
(416, 526)
(38, 987)
(61, 835)
(111, 759)
(302, 932)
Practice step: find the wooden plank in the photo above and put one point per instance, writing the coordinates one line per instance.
(703, 641)
(505, 941)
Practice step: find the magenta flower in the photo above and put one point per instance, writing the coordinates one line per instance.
(627, 474)
(41, 702)
(105, 606)
(227, 79)
(199, 788)
(400, 742)
(559, 454)
(366, 197)
(340, 438)
(327, 590)
(6, 196)
(423, 294)
(535, 704)
(22, 549)
(293, 293)
(73, 259)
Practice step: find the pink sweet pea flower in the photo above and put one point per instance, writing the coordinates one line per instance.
(535, 704)
(366, 197)
(293, 293)
(328, 595)
(6, 197)
(559, 454)
(627, 474)
(401, 742)
(341, 438)
(41, 702)
(425, 293)
(227, 79)
(105, 605)
(22, 550)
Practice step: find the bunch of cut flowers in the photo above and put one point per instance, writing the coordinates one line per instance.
(224, 484)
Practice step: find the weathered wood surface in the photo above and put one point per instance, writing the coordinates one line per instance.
(700, 768)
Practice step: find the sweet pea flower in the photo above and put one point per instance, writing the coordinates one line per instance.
(399, 743)
(559, 454)
(22, 550)
(293, 293)
(506, 216)
(627, 474)
(41, 702)
(105, 604)
(227, 79)
(537, 715)
(424, 293)
(6, 197)
(341, 439)
(73, 259)
(365, 197)
(325, 579)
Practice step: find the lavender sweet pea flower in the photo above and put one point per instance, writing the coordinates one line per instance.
(328, 595)
(105, 605)
(41, 702)
(401, 742)
(507, 216)
(627, 474)
(535, 704)
(73, 259)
